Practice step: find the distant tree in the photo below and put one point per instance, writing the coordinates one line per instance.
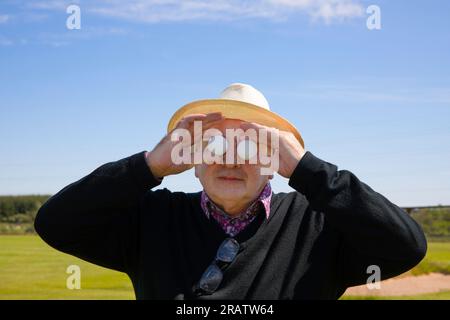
(20, 208)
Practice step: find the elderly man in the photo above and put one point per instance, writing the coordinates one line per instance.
(236, 239)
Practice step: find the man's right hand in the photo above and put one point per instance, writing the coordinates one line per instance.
(159, 159)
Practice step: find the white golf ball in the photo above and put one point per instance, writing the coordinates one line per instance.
(217, 145)
(247, 149)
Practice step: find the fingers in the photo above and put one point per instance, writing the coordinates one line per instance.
(268, 134)
(214, 116)
(189, 120)
(257, 127)
(199, 134)
(207, 121)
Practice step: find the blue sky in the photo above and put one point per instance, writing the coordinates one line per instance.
(376, 102)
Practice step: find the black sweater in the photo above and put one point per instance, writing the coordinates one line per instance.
(319, 239)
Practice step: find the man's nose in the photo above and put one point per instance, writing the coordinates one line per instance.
(230, 159)
(231, 165)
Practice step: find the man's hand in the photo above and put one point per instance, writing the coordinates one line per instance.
(290, 149)
(159, 159)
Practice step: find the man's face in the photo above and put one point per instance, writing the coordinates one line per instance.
(231, 182)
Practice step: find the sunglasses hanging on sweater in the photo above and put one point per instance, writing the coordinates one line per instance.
(213, 275)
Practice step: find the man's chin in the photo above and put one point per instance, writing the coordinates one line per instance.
(229, 193)
(231, 188)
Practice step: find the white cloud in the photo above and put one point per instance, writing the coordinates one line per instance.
(50, 4)
(153, 11)
(326, 10)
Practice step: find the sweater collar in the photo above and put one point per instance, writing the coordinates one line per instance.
(264, 198)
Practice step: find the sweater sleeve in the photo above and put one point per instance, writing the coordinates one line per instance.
(373, 231)
(96, 217)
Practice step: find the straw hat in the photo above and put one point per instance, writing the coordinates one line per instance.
(238, 101)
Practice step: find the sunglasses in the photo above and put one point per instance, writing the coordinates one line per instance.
(213, 276)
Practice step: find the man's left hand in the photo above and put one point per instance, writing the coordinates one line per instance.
(290, 149)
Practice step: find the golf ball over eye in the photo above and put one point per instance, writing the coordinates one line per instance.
(247, 149)
(217, 145)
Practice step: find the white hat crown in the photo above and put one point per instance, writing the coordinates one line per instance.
(245, 93)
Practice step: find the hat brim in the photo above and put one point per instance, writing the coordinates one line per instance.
(234, 109)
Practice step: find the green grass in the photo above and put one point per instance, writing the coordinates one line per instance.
(443, 295)
(30, 269)
(436, 260)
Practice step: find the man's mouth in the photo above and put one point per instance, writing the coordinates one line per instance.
(229, 178)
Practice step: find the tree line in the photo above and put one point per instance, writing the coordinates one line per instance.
(17, 213)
